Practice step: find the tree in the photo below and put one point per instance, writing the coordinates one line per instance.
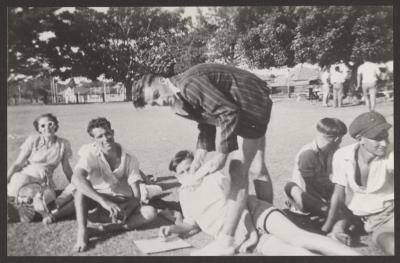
(269, 44)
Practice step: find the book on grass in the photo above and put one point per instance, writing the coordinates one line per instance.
(156, 245)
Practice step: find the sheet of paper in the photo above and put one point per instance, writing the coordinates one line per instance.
(156, 245)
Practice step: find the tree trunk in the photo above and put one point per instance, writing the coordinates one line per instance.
(128, 88)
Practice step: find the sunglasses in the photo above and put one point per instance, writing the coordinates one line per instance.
(50, 124)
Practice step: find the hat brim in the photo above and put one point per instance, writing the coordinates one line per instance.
(375, 131)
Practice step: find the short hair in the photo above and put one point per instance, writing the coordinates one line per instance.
(138, 92)
(47, 115)
(178, 158)
(99, 122)
(332, 127)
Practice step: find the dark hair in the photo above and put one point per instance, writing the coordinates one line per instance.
(337, 68)
(138, 92)
(178, 158)
(331, 127)
(47, 115)
(100, 122)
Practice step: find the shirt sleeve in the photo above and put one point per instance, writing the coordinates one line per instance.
(338, 173)
(204, 94)
(85, 160)
(133, 170)
(306, 164)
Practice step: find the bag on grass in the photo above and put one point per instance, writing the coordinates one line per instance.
(33, 198)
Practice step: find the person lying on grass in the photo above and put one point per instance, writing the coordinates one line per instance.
(106, 180)
(39, 156)
(363, 174)
(310, 188)
(204, 206)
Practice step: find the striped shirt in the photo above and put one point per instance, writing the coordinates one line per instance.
(235, 100)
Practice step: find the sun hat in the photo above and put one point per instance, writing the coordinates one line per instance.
(369, 125)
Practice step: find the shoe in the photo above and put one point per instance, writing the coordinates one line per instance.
(292, 207)
(344, 238)
(215, 248)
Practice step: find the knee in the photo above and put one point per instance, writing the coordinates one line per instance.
(288, 189)
(149, 213)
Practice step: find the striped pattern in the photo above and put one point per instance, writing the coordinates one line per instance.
(224, 96)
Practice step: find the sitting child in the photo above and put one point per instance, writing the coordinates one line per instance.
(310, 189)
(204, 206)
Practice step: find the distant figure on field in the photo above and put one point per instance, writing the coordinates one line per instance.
(338, 78)
(326, 85)
(367, 78)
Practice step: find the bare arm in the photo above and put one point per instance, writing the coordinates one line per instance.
(337, 200)
(18, 164)
(84, 186)
(66, 168)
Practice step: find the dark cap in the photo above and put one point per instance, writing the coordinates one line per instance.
(369, 125)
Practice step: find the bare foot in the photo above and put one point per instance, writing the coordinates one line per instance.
(81, 243)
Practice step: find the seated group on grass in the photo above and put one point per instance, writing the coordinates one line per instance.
(344, 187)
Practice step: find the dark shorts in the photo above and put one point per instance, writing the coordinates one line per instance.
(253, 124)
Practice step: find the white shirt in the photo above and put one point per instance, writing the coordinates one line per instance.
(102, 178)
(206, 204)
(338, 77)
(380, 183)
(369, 71)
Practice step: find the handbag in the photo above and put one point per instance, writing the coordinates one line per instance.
(33, 198)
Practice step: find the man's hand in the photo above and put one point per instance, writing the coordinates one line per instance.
(213, 165)
(216, 163)
(112, 208)
(198, 160)
(164, 232)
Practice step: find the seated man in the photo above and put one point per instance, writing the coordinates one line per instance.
(363, 176)
(310, 189)
(106, 179)
(204, 206)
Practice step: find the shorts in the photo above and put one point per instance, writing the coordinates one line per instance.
(260, 210)
(253, 124)
(368, 86)
(381, 222)
(97, 214)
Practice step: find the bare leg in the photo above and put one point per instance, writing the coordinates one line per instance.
(386, 242)
(17, 181)
(281, 227)
(81, 219)
(259, 174)
(307, 202)
(372, 97)
(273, 246)
(340, 95)
(366, 98)
(237, 198)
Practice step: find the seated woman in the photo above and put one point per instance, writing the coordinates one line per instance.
(39, 156)
(204, 207)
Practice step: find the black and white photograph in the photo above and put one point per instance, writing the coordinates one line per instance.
(209, 130)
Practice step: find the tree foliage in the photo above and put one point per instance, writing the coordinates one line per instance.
(125, 43)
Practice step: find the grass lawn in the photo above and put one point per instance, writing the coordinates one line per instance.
(154, 135)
